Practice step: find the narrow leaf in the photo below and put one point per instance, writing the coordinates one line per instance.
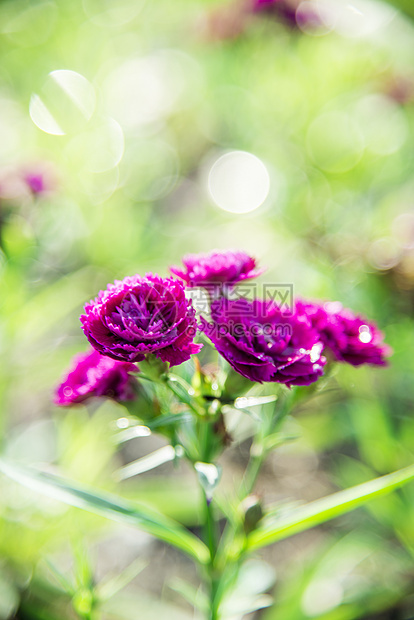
(195, 596)
(60, 578)
(321, 510)
(109, 589)
(132, 433)
(146, 463)
(243, 402)
(167, 420)
(133, 430)
(109, 506)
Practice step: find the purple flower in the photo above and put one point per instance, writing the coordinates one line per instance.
(35, 182)
(351, 338)
(142, 315)
(93, 374)
(293, 13)
(262, 4)
(263, 343)
(217, 267)
(39, 178)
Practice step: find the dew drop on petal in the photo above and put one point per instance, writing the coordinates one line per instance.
(365, 335)
(316, 352)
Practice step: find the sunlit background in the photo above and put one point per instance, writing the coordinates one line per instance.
(133, 132)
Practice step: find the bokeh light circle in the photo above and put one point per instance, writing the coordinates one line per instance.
(335, 142)
(112, 13)
(149, 169)
(403, 230)
(238, 182)
(357, 19)
(65, 103)
(29, 24)
(384, 253)
(146, 90)
(382, 123)
(99, 148)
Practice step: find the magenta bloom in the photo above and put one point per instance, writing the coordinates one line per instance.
(40, 178)
(263, 344)
(35, 182)
(351, 338)
(93, 374)
(141, 315)
(262, 4)
(217, 267)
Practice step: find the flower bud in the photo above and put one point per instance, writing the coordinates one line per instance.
(252, 512)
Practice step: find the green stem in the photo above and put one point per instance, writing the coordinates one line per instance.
(181, 394)
(213, 612)
(211, 540)
(211, 537)
(253, 468)
(205, 439)
(258, 452)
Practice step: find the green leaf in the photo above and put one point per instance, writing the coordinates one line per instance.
(109, 589)
(321, 510)
(146, 463)
(60, 578)
(247, 594)
(166, 420)
(195, 596)
(109, 506)
(243, 402)
(134, 430)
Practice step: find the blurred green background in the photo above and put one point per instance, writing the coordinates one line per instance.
(135, 131)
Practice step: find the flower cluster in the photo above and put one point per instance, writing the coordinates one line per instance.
(349, 337)
(217, 268)
(143, 316)
(93, 374)
(289, 353)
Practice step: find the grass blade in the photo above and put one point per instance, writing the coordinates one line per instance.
(321, 510)
(146, 463)
(109, 506)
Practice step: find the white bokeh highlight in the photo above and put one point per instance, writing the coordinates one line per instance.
(238, 182)
(65, 103)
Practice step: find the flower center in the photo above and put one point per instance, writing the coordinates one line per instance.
(146, 312)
